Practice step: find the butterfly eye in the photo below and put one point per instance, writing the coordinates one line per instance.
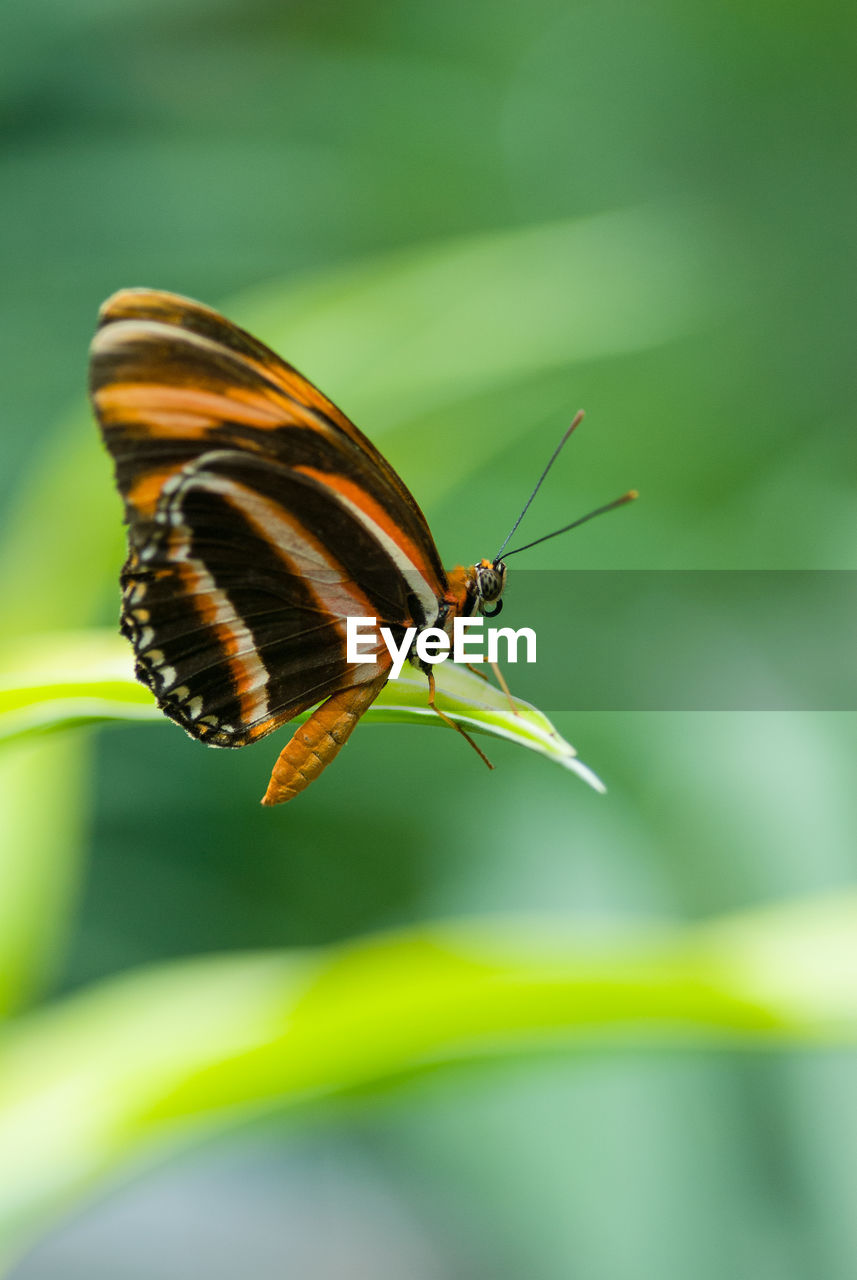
(490, 580)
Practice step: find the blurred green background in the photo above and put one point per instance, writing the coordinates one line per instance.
(463, 222)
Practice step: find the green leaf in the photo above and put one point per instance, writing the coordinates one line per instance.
(165, 1054)
(61, 681)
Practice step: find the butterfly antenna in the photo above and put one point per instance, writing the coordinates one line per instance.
(576, 421)
(599, 511)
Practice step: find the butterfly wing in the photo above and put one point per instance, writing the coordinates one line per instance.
(259, 518)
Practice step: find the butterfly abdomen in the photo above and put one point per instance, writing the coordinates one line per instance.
(315, 744)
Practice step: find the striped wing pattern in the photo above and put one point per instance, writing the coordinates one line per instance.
(259, 518)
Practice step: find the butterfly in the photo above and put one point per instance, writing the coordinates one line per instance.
(259, 519)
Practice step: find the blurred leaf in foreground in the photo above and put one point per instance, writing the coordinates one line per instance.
(168, 1053)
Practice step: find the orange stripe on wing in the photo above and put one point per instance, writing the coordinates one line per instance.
(170, 410)
(154, 304)
(166, 410)
(357, 497)
(302, 392)
(145, 492)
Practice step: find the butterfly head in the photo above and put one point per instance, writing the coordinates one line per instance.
(489, 581)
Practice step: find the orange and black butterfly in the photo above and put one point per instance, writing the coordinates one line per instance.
(259, 519)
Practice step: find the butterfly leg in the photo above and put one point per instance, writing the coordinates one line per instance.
(501, 680)
(448, 719)
(319, 740)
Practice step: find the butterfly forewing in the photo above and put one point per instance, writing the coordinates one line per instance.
(259, 519)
